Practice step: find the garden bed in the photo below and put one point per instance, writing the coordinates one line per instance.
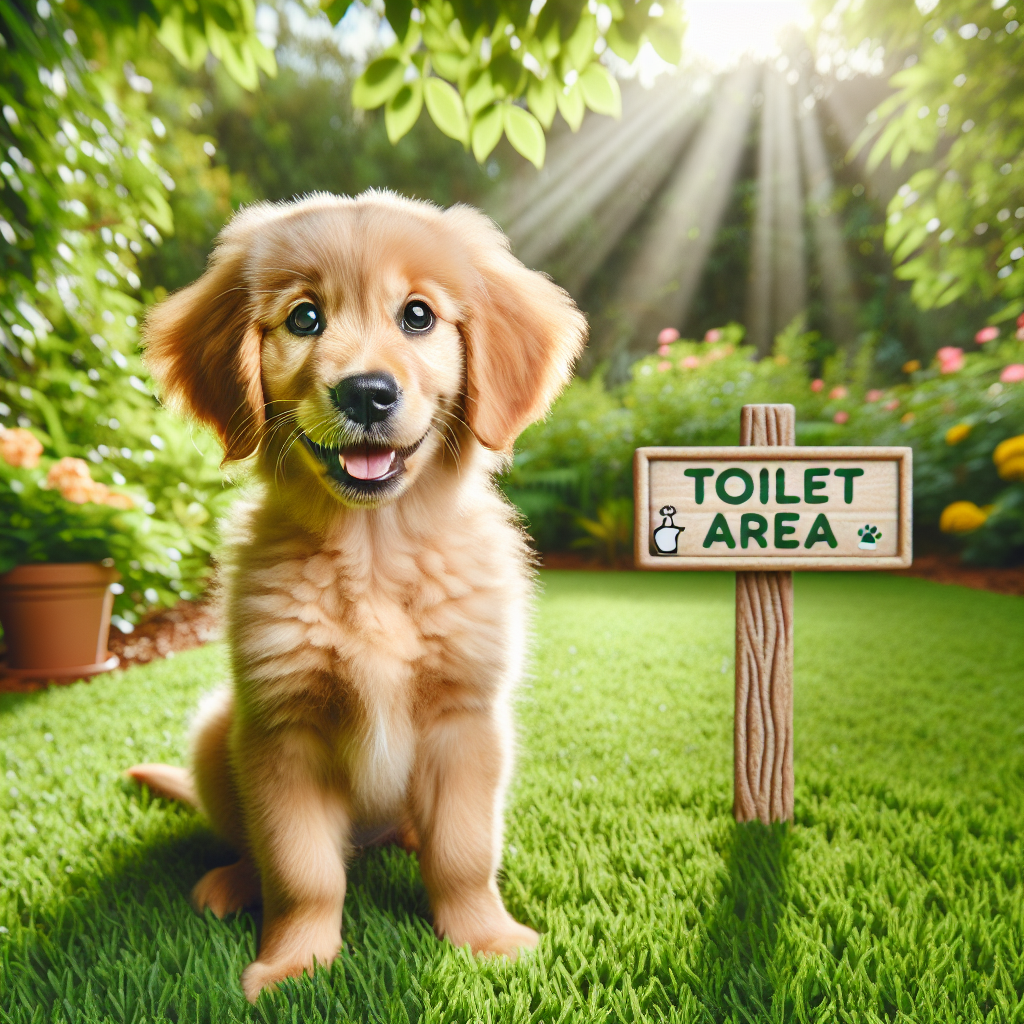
(895, 895)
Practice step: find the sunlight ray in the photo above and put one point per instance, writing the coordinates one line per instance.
(660, 284)
(759, 285)
(790, 284)
(541, 228)
(830, 249)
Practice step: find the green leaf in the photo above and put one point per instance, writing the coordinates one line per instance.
(263, 56)
(447, 63)
(525, 134)
(570, 103)
(479, 94)
(378, 83)
(336, 10)
(397, 12)
(600, 90)
(403, 109)
(579, 48)
(445, 108)
(667, 42)
(623, 41)
(187, 45)
(487, 128)
(540, 98)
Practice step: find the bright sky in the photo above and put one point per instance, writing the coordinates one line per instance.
(722, 31)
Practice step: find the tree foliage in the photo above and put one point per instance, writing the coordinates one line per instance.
(507, 66)
(84, 194)
(955, 228)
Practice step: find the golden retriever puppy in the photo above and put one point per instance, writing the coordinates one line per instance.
(378, 357)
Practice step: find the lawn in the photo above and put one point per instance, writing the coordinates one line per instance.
(895, 896)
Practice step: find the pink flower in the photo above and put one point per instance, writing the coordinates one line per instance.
(664, 365)
(663, 350)
(986, 334)
(667, 335)
(873, 395)
(893, 403)
(817, 385)
(713, 335)
(839, 392)
(1012, 373)
(690, 363)
(841, 417)
(950, 359)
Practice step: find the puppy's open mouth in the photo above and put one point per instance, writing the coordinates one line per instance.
(366, 469)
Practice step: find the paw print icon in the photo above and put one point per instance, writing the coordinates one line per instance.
(869, 536)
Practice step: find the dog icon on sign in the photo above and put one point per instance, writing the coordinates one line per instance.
(666, 536)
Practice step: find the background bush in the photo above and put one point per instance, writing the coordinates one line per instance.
(580, 458)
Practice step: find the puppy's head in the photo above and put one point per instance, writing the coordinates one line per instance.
(355, 340)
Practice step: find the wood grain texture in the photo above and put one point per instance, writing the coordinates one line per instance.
(763, 725)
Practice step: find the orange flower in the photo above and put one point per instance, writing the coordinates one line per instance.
(72, 478)
(69, 472)
(20, 448)
(912, 367)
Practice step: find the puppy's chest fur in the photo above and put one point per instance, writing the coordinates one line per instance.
(369, 635)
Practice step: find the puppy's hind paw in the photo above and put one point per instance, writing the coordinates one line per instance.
(228, 889)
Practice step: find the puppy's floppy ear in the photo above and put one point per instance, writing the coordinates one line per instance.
(522, 335)
(203, 346)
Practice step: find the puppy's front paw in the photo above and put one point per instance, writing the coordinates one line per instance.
(227, 889)
(261, 974)
(513, 939)
(497, 934)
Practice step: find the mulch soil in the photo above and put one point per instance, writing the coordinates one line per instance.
(164, 632)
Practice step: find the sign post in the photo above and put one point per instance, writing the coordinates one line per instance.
(762, 510)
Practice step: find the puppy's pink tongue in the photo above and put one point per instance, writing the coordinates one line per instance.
(368, 465)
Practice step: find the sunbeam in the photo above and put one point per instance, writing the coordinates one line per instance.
(659, 286)
(830, 249)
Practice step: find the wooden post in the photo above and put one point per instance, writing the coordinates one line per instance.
(763, 727)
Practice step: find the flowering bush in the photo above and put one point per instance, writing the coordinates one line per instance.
(960, 416)
(53, 510)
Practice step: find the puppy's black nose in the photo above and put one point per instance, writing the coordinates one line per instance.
(366, 398)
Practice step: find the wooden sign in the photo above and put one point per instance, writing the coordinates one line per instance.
(762, 510)
(785, 508)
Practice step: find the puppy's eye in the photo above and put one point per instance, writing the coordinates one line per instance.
(305, 319)
(417, 317)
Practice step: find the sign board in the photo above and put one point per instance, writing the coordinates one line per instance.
(762, 510)
(773, 508)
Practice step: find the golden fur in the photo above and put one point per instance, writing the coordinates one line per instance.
(374, 643)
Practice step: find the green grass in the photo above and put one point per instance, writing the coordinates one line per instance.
(895, 896)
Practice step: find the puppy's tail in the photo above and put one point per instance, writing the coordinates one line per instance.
(166, 780)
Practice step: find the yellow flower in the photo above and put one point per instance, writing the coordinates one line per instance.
(1012, 468)
(912, 367)
(908, 417)
(956, 434)
(1009, 458)
(961, 517)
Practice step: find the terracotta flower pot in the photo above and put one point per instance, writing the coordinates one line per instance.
(56, 620)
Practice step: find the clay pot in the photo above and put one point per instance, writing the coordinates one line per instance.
(56, 620)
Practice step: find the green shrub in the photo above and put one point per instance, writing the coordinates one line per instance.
(580, 457)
